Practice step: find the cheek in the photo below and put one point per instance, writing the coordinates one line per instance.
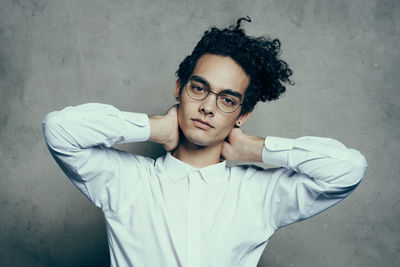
(180, 115)
(183, 117)
(184, 110)
(225, 130)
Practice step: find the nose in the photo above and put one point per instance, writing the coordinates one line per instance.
(208, 105)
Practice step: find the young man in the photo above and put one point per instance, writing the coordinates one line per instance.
(188, 208)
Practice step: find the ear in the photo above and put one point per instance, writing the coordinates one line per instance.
(177, 95)
(242, 119)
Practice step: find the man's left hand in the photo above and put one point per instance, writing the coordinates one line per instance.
(239, 146)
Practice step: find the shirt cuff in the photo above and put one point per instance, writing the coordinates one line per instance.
(276, 150)
(137, 126)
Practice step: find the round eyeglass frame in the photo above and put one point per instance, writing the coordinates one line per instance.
(216, 98)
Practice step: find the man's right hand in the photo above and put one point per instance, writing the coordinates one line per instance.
(165, 129)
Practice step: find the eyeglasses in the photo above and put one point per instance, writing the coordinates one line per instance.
(228, 101)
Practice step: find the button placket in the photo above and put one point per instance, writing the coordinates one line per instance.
(193, 220)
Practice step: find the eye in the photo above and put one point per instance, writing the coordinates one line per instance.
(228, 101)
(197, 89)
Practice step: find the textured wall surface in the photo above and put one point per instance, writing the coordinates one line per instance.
(55, 53)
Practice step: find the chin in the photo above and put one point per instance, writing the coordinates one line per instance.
(200, 140)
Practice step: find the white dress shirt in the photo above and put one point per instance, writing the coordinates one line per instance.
(165, 212)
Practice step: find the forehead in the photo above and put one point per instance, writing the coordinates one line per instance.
(222, 73)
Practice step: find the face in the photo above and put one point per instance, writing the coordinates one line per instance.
(201, 121)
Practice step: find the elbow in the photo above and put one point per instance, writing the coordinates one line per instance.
(50, 129)
(349, 177)
(358, 167)
(50, 118)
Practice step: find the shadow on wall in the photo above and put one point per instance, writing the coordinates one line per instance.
(66, 244)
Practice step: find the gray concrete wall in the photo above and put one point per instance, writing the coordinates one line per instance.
(56, 53)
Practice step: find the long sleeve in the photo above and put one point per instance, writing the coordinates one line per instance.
(80, 138)
(315, 173)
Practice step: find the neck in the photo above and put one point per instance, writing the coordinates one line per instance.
(198, 156)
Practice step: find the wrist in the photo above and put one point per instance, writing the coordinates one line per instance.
(252, 148)
(158, 129)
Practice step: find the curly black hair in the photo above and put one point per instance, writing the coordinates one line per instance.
(258, 56)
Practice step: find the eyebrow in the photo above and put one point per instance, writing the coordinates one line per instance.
(205, 83)
(200, 80)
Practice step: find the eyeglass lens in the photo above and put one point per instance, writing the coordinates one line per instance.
(227, 101)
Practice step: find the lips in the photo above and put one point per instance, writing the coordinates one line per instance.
(202, 124)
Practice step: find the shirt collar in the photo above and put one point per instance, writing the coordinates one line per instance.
(177, 170)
